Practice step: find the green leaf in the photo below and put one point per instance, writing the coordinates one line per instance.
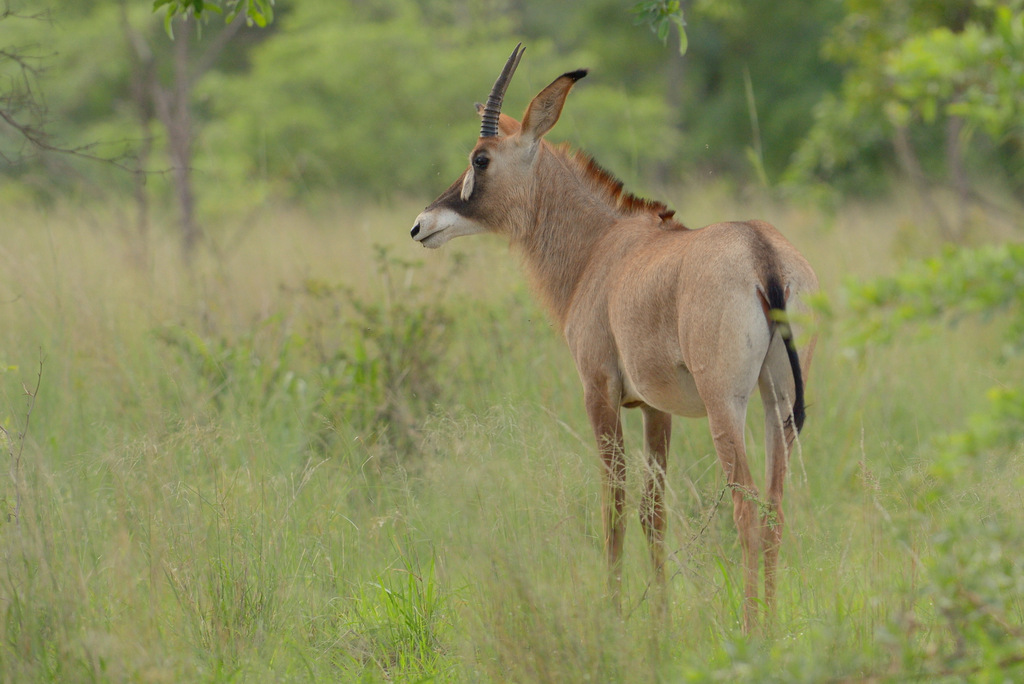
(266, 9)
(660, 16)
(929, 108)
(167, 23)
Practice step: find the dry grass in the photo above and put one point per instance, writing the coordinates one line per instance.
(174, 528)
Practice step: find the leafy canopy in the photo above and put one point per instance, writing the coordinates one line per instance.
(258, 12)
(983, 281)
(911, 66)
(660, 15)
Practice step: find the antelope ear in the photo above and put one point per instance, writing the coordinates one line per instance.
(506, 124)
(545, 109)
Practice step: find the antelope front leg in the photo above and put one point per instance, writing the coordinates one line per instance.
(604, 419)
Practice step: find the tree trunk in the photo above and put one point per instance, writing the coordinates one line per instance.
(171, 106)
(957, 173)
(915, 174)
(143, 65)
(178, 122)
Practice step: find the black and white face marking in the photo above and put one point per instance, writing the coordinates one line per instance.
(481, 160)
(458, 210)
(434, 227)
(451, 215)
(467, 185)
(454, 213)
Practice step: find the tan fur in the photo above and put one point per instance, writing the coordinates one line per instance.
(670, 320)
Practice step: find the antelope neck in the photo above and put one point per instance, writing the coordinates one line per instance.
(571, 214)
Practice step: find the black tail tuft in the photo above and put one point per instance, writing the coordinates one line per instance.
(777, 307)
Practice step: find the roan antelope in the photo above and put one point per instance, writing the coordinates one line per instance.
(657, 316)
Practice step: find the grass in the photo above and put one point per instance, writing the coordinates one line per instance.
(312, 460)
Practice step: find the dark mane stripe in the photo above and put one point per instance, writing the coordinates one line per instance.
(625, 202)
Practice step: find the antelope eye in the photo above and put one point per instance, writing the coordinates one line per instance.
(481, 161)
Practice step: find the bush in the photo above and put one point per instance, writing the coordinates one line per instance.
(349, 366)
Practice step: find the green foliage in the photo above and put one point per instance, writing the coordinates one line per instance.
(231, 598)
(311, 112)
(342, 96)
(975, 582)
(390, 377)
(348, 102)
(372, 367)
(985, 281)
(366, 101)
(403, 616)
(87, 98)
(999, 427)
(968, 592)
(776, 47)
(258, 12)
(976, 73)
(848, 147)
(962, 491)
(188, 515)
(238, 374)
(912, 66)
(660, 15)
(52, 79)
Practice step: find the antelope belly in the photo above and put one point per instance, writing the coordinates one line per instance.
(669, 388)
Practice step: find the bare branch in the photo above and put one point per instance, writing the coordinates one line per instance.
(23, 108)
(37, 137)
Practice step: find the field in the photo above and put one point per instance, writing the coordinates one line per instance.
(324, 454)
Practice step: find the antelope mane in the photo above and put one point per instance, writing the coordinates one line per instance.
(603, 181)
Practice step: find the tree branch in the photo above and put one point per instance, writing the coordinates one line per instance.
(213, 50)
(23, 109)
(40, 140)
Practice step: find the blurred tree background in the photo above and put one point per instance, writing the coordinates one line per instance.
(245, 463)
(372, 99)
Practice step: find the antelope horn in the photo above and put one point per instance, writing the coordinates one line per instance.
(492, 110)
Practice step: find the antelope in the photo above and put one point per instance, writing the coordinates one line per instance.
(657, 316)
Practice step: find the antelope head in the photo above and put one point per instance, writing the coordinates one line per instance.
(495, 193)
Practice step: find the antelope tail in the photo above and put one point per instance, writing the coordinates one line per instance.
(775, 309)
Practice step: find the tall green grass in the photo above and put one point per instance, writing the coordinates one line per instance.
(313, 459)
